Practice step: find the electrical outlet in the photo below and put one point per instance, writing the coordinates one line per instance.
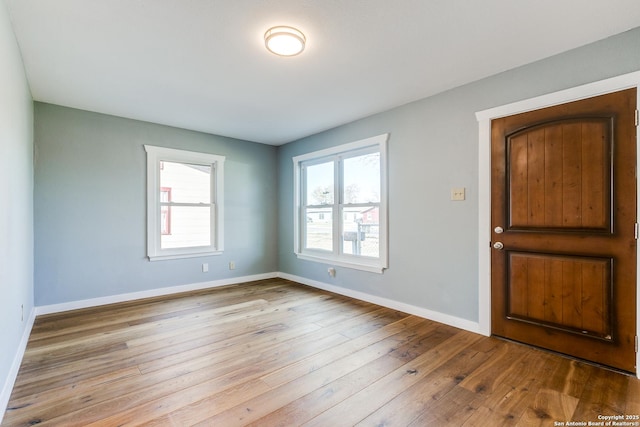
(22, 312)
(205, 267)
(232, 265)
(331, 271)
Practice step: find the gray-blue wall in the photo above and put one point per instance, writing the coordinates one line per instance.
(433, 146)
(16, 202)
(90, 207)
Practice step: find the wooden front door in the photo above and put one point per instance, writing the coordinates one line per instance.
(563, 264)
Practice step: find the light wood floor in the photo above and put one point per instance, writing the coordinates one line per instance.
(274, 353)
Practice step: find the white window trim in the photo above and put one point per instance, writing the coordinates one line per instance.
(375, 265)
(154, 156)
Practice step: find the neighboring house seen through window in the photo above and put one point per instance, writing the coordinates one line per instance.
(165, 209)
(341, 205)
(184, 203)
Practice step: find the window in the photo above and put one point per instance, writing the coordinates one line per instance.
(341, 205)
(184, 203)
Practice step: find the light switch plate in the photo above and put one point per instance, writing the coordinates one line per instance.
(457, 194)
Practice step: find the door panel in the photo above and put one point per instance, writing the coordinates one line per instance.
(571, 294)
(559, 176)
(564, 197)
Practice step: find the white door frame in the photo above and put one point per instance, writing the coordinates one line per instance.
(484, 118)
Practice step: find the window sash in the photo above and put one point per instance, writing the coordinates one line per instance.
(318, 235)
(184, 230)
(358, 246)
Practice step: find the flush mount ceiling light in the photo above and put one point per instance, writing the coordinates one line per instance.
(284, 41)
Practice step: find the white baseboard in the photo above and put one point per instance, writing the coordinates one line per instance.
(5, 394)
(436, 316)
(94, 302)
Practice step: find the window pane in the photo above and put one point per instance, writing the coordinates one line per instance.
(188, 226)
(361, 231)
(319, 229)
(187, 183)
(362, 179)
(320, 184)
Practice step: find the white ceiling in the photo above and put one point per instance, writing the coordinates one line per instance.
(202, 65)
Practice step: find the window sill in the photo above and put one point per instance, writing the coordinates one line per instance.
(372, 268)
(181, 256)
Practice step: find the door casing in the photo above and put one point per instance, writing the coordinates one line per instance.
(484, 118)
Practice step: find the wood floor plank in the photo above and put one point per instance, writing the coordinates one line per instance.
(570, 377)
(515, 393)
(277, 353)
(67, 347)
(189, 372)
(50, 398)
(633, 398)
(228, 313)
(146, 310)
(177, 351)
(425, 333)
(604, 394)
(452, 410)
(427, 336)
(410, 404)
(549, 406)
(191, 361)
(484, 416)
(251, 410)
(162, 353)
(360, 405)
(493, 373)
(310, 364)
(312, 404)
